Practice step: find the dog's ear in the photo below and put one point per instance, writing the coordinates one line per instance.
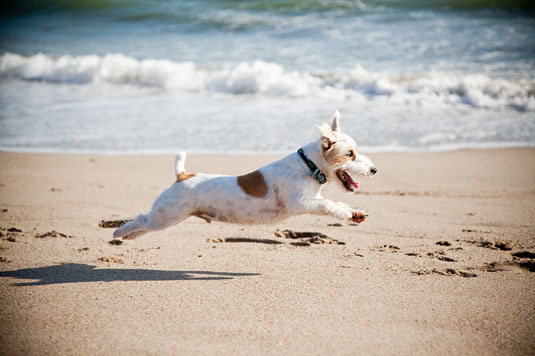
(328, 136)
(335, 121)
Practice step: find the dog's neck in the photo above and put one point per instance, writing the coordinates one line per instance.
(314, 152)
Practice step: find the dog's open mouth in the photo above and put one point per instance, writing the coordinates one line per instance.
(346, 180)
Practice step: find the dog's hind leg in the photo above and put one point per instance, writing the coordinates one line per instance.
(166, 211)
(134, 234)
(147, 223)
(131, 226)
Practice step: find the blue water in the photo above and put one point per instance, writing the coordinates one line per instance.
(256, 76)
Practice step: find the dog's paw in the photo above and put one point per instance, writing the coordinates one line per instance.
(358, 216)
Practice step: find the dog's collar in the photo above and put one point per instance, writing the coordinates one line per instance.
(316, 173)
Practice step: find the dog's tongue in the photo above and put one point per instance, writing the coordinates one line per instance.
(351, 181)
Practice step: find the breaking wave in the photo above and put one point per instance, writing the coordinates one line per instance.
(272, 79)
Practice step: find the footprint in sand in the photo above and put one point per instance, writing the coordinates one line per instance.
(388, 248)
(106, 224)
(307, 236)
(10, 234)
(446, 272)
(244, 239)
(53, 234)
(303, 239)
(525, 259)
(498, 245)
(111, 259)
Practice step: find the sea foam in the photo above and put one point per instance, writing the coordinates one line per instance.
(272, 79)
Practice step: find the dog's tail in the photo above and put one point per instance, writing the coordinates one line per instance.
(180, 162)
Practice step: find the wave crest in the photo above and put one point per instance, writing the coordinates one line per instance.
(262, 78)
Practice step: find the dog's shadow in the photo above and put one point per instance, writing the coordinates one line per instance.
(79, 273)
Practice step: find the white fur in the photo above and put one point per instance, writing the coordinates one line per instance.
(291, 189)
(180, 162)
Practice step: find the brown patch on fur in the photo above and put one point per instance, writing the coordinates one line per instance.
(326, 144)
(335, 156)
(343, 159)
(182, 176)
(253, 184)
(330, 155)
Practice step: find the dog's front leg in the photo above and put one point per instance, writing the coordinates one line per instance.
(328, 207)
(356, 216)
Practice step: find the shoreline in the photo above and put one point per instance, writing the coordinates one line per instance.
(442, 265)
(365, 150)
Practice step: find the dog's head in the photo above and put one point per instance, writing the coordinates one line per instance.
(342, 157)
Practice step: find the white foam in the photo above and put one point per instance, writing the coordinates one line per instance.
(173, 150)
(272, 79)
(476, 90)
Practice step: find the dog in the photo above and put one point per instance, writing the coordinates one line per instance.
(290, 186)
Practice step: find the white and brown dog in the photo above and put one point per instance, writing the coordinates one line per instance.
(270, 194)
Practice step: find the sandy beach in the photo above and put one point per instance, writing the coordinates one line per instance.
(443, 266)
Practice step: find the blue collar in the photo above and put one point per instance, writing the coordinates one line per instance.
(316, 173)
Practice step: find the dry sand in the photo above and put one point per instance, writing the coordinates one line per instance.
(431, 272)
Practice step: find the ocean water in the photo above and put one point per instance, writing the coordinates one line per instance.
(229, 76)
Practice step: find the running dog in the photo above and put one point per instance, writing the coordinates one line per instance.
(290, 186)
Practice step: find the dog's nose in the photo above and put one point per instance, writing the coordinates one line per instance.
(373, 170)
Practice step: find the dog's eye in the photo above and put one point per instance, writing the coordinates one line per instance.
(350, 154)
